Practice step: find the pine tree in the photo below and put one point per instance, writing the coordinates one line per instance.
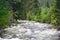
(4, 14)
(47, 4)
(57, 4)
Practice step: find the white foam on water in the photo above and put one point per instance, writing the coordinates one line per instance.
(30, 30)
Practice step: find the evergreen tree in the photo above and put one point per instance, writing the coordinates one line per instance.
(47, 4)
(57, 4)
(4, 14)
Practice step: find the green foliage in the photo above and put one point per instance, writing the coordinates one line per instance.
(4, 15)
(57, 11)
(51, 15)
(31, 10)
(44, 15)
(34, 15)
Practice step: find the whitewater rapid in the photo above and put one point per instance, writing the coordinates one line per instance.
(31, 30)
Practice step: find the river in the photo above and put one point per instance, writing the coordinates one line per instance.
(31, 30)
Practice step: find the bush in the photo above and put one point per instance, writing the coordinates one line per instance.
(34, 15)
(44, 15)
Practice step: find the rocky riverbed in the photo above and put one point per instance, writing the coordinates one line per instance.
(31, 30)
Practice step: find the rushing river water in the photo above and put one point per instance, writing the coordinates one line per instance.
(31, 30)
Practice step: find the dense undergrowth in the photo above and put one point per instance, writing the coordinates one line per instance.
(24, 10)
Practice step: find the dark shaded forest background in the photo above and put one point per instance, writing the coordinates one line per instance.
(44, 11)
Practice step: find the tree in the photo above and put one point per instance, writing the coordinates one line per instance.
(57, 11)
(47, 4)
(4, 14)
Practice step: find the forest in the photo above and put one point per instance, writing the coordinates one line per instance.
(43, 11)
(29, 19)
